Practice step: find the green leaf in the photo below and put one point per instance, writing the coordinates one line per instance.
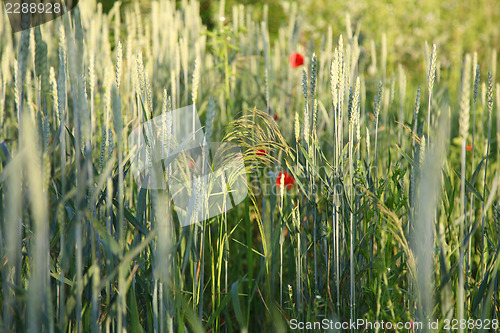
(130, 217)
(476, 172)
(57, 276)
(407, 157)
(469, 186)
(481, 292)
(105, 236)
(141, 206)
(220, 308)
(233, 47)
(186, 312)
(236, 304)
(134, 313)
(4, 154)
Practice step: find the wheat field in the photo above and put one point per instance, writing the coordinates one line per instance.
(369, 158)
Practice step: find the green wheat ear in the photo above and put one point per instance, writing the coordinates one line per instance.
(421, 158)
(432, 68)
(119, 60)
(356, 110)
(297, 127)
(465, 99)
(477, 79)
(53, 92)
(430, 85)
(367, 143)
(196, 80)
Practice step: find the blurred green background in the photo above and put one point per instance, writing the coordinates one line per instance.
(397, 33)
(457, 26)
(209, 9)
(476, 20)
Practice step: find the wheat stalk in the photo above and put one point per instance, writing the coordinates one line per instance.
(464, 133)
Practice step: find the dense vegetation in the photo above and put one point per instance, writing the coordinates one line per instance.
(370, 138)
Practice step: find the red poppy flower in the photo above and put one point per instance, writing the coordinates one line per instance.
(261, 152)
(275, 117)
(468, 147)
(288, 180)
(296, 60)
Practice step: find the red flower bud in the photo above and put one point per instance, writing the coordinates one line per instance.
(288, 181)
(261, 152)
(296, 60)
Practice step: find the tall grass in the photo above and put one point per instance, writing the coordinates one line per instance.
(392, 222)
